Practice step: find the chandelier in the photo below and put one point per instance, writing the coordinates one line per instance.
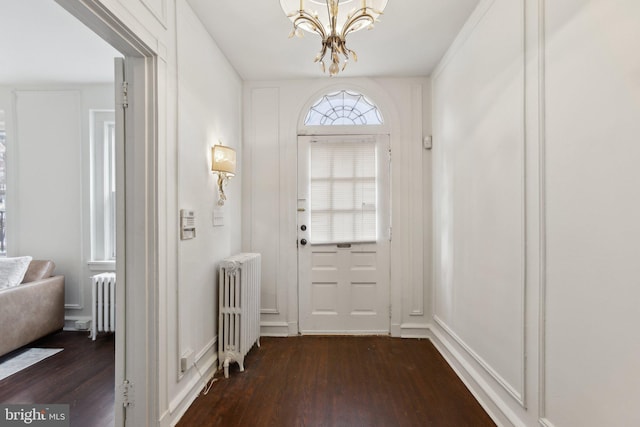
(340, 18)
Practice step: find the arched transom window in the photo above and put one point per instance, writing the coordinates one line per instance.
(343, 108)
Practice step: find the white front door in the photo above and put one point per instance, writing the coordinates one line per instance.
(343, 234)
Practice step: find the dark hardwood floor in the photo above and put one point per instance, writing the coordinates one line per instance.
(82, 376)
(298, 381)
(339, 381)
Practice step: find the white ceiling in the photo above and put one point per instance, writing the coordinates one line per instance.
(409, 41)
(40, 42)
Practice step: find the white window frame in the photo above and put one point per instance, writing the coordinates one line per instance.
(103, 197)
(3, 200)
(343, 108)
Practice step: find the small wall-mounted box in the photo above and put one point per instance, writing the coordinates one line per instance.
(82, 325)
(186, 360)
(427, 142)
(187, 224)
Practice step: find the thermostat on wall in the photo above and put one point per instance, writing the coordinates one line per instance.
(187, 224)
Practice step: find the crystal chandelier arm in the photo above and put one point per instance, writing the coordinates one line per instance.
(322, 53)
(356, 18)
(305, 17)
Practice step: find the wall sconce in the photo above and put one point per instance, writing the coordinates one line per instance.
(223, 162)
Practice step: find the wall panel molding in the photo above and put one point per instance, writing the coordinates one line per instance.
(158, 9)
(454, 282)
(542, 325)
(266, 196)
(415, 241)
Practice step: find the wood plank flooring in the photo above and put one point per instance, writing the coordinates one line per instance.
(297, 381)
(339, 381)
(82, 376)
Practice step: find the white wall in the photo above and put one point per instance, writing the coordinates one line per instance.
(48, 139)
(273, 117)
(209, 111)
(592, 206)
(198, 102)
(535, 210)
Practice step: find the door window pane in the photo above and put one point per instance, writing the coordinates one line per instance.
(343, 191)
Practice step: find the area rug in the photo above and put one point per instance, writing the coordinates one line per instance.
(24, 360)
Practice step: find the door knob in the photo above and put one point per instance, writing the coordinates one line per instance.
(303, 227)
(303, 242)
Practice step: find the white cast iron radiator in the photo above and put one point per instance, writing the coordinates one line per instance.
(103, 303)
(239, 316)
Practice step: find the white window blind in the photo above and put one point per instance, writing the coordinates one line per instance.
(343, 192)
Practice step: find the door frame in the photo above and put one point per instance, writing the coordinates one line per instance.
(347, 131)
(137, 219)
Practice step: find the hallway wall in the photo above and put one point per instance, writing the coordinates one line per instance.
(48, 180)
(209, 113)
(199, 101)
(536, 206)
(273, 116)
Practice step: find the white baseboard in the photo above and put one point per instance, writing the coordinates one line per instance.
(70, 323)
(497, 408)
(293, 329)
(274, 329)
(396, 330)
(415, 330)
(183, 400)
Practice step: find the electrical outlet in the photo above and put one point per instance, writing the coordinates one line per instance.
(82, 325)
(427, 142)
(186, 360)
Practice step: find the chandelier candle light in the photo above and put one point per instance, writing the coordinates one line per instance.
(342, 17)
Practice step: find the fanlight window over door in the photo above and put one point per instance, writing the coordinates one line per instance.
(343, 108)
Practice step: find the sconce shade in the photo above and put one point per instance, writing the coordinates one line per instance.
(223, 159)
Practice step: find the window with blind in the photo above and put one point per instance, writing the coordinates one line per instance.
(343, 192)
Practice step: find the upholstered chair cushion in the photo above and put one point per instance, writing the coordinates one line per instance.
(38, 270)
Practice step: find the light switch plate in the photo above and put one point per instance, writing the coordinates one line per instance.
(218, 217)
